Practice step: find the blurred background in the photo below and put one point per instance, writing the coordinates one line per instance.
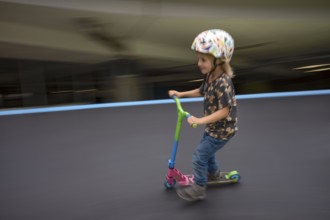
(67, 52)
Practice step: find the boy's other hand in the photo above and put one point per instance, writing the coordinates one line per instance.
(172, 93)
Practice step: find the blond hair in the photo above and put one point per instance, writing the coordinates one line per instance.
(227, 68)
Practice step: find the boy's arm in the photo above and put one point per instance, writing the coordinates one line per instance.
(191, 93)
(216, 116)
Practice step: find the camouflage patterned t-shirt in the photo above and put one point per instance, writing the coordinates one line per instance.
(219, 94)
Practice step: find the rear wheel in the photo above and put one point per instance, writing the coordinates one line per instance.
(234, 176)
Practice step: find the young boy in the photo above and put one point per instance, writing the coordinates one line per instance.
(214, 49)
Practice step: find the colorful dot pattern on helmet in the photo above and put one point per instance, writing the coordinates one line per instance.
(215, 42)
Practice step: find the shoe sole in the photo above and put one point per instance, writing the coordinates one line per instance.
(189, 198)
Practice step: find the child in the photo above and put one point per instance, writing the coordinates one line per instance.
(214, 49)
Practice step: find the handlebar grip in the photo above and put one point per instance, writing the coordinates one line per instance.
(193, 125)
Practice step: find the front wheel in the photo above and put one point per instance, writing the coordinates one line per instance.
(168, 185)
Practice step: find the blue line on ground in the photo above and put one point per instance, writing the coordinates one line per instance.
(154, 102)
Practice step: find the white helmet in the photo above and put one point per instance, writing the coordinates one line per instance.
(215, 42)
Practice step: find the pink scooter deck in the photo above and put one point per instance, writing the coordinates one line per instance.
(175, 176)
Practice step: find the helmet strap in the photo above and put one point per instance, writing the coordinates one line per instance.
(215, 64)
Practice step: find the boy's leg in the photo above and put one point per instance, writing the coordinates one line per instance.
(204, 160)
(204, 152)
(213, 165)
(197, 190)
(213, 170)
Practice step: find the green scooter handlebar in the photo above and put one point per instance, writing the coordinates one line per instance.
(181, 112)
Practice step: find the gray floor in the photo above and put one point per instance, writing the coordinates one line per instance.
(111, 163)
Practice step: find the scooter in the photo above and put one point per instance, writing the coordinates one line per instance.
(174, 175)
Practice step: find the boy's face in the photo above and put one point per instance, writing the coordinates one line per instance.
(204, 62)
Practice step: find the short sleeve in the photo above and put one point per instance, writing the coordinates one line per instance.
(224, 94)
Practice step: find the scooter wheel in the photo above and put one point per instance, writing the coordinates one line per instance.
(234, 176)
(169, 186)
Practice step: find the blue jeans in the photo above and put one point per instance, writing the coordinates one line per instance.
(204, 160)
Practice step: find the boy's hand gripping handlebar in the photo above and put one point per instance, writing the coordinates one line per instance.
(181, 112)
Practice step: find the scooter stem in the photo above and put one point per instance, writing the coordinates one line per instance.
(181, 115)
